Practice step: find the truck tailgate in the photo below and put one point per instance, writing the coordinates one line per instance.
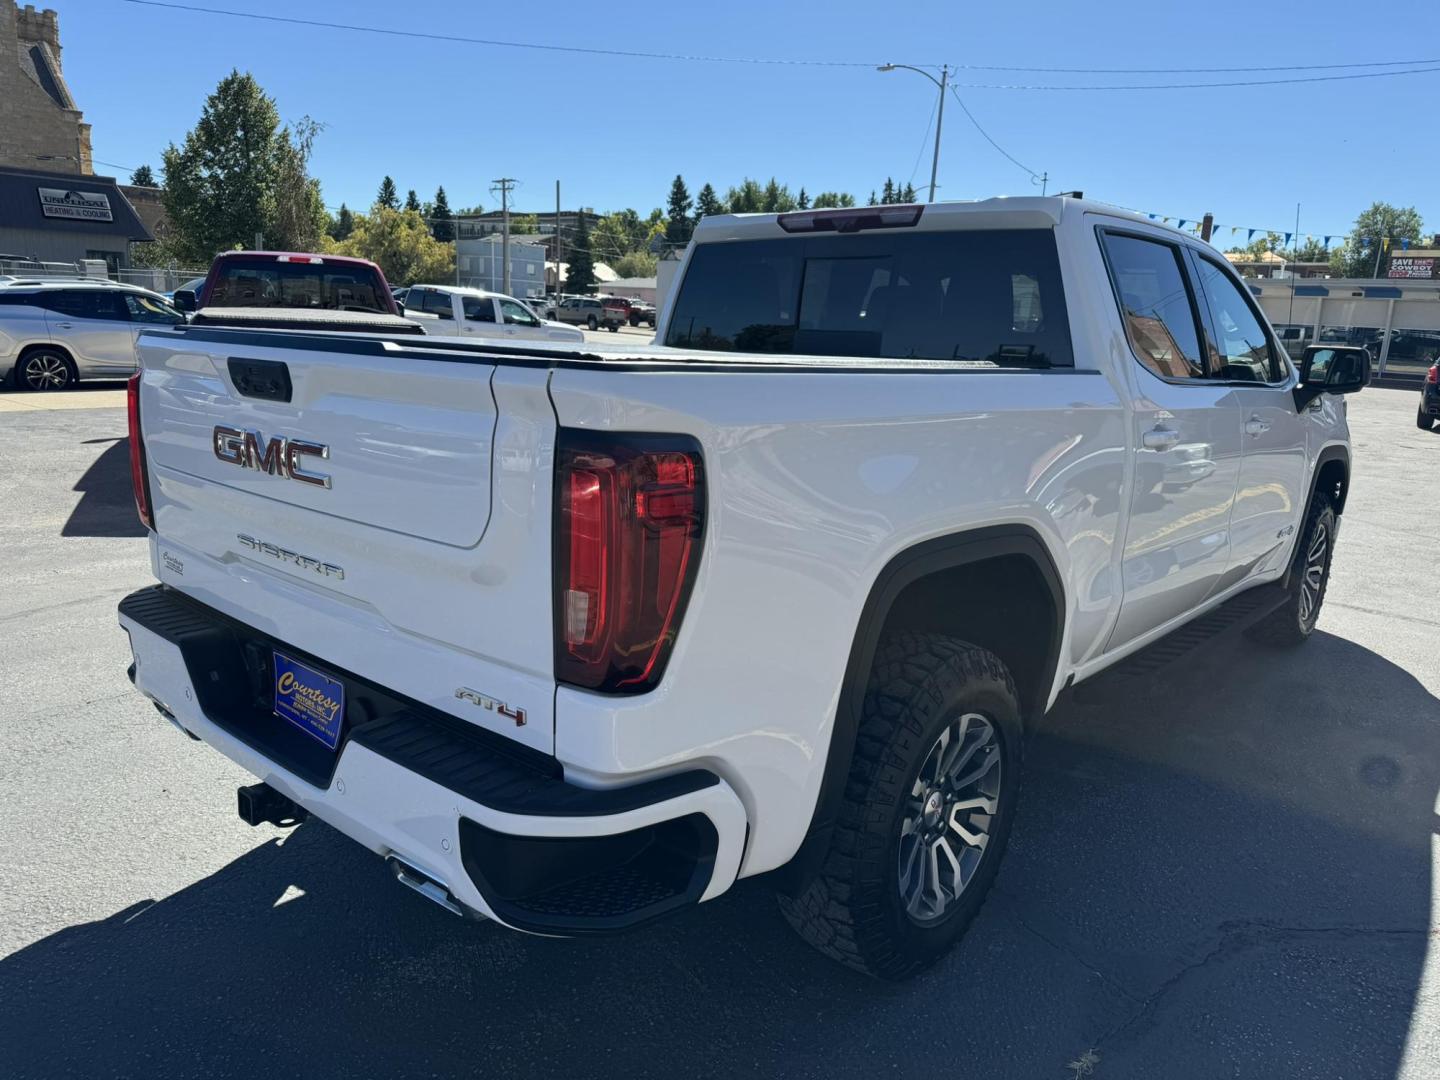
(361, 519)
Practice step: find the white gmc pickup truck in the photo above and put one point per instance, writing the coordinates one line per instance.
(577, 638)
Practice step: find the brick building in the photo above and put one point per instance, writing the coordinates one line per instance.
(40, 125)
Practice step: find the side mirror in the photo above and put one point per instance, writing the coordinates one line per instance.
(1332, 369)
(185, 299)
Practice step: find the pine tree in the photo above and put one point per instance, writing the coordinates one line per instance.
(343, 224)
(388, 197)
(412, 202)
(144, 176)
(677, 223)
(887, 193)
(442, 222)
(872, 201)
(802, 201)
(707, 204)
(908, 195)
(581, 277)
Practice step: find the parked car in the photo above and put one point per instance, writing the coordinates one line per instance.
(588, 311)
(576, 643)
(543, 306)
(484, 314)
(1429, 410)
(641, 311)
(53, 334)
(278, 290)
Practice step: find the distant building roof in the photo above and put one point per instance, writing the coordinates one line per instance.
(633, 283)
(1245, 257)
(70, 210)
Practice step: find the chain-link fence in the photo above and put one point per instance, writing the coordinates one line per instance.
(157, 279)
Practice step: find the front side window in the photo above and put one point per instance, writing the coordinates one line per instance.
(516, 315)
(478, 308)
(1242, 347)
(980, 296)
(1155, 303)
(149, 309)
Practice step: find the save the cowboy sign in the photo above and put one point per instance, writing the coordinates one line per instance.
(76, 205)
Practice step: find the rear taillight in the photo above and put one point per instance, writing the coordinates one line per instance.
(1433, 375)
(139, 470)
(308, 260)
(630, 514)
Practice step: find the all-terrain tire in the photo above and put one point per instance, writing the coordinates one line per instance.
(1294, 621)
(853, 910)
(1422, 419)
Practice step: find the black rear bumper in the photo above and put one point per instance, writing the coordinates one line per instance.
(557, 885)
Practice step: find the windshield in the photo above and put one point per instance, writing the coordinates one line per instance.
(271, 284)
(983, 296)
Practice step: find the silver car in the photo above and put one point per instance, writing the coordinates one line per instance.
(52, 334)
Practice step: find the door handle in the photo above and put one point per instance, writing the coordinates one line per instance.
(1159, 438)
(64, 325)
(1256, 426)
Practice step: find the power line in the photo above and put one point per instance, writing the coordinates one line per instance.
(502, 44)
(1192, 85)
(1197, 70)
(1003, 152)
(924, 143)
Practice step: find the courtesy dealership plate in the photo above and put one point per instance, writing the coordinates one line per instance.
(309, 699)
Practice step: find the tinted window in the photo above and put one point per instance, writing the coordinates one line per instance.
(86, 304)
(478, 308)
(266, 283)
(439, 304)
(991, 296)
(1155, 304)
(1242, 346)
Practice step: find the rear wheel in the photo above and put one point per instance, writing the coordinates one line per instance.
(592, 322)
(1294, 621)
(1422, 418)
(44, 369)
(927, 811)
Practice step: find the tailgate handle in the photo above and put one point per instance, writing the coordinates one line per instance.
(268, 379)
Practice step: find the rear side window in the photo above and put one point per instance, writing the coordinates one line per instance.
(989, 296)
(478, 308)
(86, 304)
(1156, 305)
(439, 304)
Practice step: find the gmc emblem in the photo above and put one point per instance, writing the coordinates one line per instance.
(278, 457)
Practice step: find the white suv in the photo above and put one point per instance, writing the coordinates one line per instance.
(55, 333)
(475, 312)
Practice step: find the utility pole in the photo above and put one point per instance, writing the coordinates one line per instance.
(942, 83)
(505, 183)
(557, 242)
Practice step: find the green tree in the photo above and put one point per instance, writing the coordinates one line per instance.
(1366, 251)
(342, 224)
(220, 184)
(802, 201)
(1313, 250)
(412, 201)
(298, 218)
(524, 224)
(639, 264)
(581, 275)
(748, 198)
(873, 201)
(400, 241)
(908, 195)
(678, 224)
(777, 198)
(143, 177)
(1270, 241)
(887, 193)
(387, 196)
(832, 199)
(707, 204)
(442, 223)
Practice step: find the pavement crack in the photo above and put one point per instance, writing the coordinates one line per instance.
(1061, 947)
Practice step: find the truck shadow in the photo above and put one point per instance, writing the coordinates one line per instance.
(1222, 870)
(107, 504)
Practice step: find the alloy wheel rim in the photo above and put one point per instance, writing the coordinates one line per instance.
(948, 817)
(46, 371)
(1313, 576)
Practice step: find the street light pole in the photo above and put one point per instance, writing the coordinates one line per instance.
(942, 83)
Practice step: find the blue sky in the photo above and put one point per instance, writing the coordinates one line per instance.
(439, 112)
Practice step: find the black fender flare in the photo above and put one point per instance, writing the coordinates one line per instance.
(1334, 452)
(923, 559)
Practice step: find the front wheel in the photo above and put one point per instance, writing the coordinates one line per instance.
(1294, 620)
(928, 806)
(1422, 418)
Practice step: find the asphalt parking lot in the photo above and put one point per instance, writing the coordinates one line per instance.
(1224, 868)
